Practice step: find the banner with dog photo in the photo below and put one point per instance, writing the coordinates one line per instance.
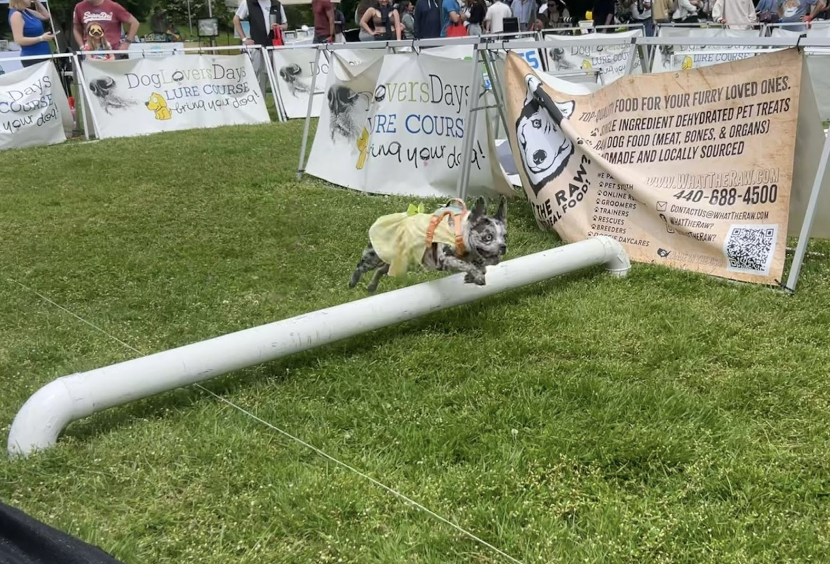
(295, 70)
(397, 126)
(576, 53)
(668, 58)
(33, 108)
(691, 170)
(142, 96)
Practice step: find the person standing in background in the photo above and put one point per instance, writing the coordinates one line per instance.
(407, 19)
(259, 13)
(26, 20)
(661, 11)
(109, 16)
(737, 14)
(525, 12)
(641, 14)
(687, 11)
(802, 11)
(451, 13)
(339, 26)
(427, 19)
(603, 14)
(323, 21)
(382, 23)
(478, 11)
(494, 20)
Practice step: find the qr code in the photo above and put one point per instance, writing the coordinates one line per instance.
(749, 248)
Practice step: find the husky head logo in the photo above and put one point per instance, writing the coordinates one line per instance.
(543, 146)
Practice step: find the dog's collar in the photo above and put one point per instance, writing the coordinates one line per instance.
(458, 220)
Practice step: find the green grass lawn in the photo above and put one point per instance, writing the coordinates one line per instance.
(662, 418)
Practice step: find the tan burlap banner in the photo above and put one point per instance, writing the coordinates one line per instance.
(692, 170)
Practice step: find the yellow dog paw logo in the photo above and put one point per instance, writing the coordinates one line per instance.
(687, 63)
(363, 147)
(158, 105)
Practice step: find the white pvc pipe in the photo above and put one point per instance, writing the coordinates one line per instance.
(49, 410)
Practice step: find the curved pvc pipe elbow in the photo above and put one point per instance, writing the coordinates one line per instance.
(41, 419)
(619, 264)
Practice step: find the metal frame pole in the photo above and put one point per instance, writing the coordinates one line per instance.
(809, 216)
(85, 93)
(469, 130)
(301, 165)
(495, 84)
(272, 80)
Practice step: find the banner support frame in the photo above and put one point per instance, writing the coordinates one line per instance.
(807, 225)
(82, 100)
(495, 84)
(266, 56)
(304, 146)
(87, 95)
(469, 133)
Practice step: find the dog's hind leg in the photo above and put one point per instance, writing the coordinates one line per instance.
(379, 273)
(368, 262)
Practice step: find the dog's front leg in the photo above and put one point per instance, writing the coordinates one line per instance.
(448, 261)
(478, 276)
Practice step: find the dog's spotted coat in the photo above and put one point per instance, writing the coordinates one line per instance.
(485, 240)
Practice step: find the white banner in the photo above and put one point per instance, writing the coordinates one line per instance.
(465, 53)
(397, 126)
(295, 69)
(6, 64)
(817, 29)
(576, 53)
(141, 96)
(33, 108)
(695, 56)
(685, 60)
(818, 60)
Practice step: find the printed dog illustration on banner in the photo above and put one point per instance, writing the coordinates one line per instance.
(158, 105)
(557, 54)
(104, 90)
(666, 54)
(451, 239)
(543, 146)
(96, 40)
(348, 111)
(292, 76)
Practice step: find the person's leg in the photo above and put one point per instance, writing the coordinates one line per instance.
(259, 62)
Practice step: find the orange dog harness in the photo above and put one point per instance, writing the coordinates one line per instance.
(458, 216)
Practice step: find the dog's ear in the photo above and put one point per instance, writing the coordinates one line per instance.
(567, 108)
(479, 209)
(501, 213)
(531, 82)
